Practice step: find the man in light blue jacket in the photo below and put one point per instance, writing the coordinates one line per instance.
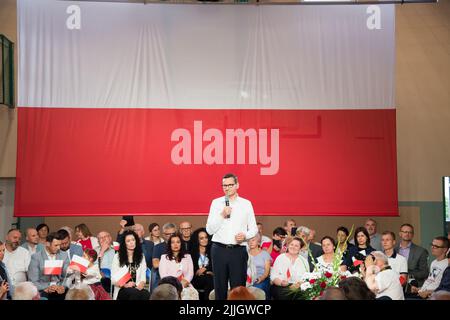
(50, 286)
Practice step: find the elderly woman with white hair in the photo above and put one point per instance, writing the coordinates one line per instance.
(380, 278)
(258, 266)
(26, 291)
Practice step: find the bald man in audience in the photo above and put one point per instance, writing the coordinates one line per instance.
(32, 243)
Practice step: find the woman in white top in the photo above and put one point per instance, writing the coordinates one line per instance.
(288, 269)
(155, 233)
(129, 263)
(325, 261)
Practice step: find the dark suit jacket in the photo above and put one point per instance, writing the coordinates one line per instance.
(417, 262)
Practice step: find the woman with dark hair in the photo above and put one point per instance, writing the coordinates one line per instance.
(85, 237)
(128, 271)
(356, 289)
(43, 231)
(178, 263)
(358, 253)
(325, 261)
(203, 279)
(343, 245)
(155, 233)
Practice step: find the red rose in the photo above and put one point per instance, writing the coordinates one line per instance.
(328, 274)
(323, 285)
(321, 293)
(343, 277)
(312, 281)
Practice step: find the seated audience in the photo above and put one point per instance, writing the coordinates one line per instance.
(43, 230)
(360, 251)
(310, 251)
(380, 278)
(396, 261)
(333, 293)
(155, 234)
(325, 261)
(278, 243)
(67, 246)
(258, 266)
(266, 242)
(240, 293)
(416, 256)
(177, 263)
(105, 258)
(287, 270)
(356, 289)
(439, 248)
(343, 245)
(26, 291)
(85, 237)
(50, 281)
(16, 257)
(203, 279)
(165, 291)
(32, 243)
(5, 282)
(128, 271)
(81, 292)
(174, 282)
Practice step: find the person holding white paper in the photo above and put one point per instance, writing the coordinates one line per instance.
(47, 269)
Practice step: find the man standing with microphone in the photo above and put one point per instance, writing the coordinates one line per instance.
(231, 221)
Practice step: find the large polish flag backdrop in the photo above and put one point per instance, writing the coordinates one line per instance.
(141, 109)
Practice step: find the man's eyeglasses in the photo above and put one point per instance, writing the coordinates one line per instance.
(228, 185)
(169, 233)
(184, 229)
(436, 247)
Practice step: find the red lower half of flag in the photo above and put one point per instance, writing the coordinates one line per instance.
(78, 266)
(124, 279)
(81, 161)
(52, 271)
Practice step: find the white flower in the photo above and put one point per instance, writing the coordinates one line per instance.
(305, 286)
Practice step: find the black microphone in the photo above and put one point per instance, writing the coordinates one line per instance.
(227, 204)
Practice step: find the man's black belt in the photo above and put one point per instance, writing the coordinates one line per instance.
(228, 246)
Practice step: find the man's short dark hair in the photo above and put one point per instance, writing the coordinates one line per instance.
(62, 233)
(279, 231)
(407, 225)
(230, 175)
(445, 242)
(52, 236)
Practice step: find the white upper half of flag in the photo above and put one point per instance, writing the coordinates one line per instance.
(53, 263)
(80, 260)
(195, 56)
